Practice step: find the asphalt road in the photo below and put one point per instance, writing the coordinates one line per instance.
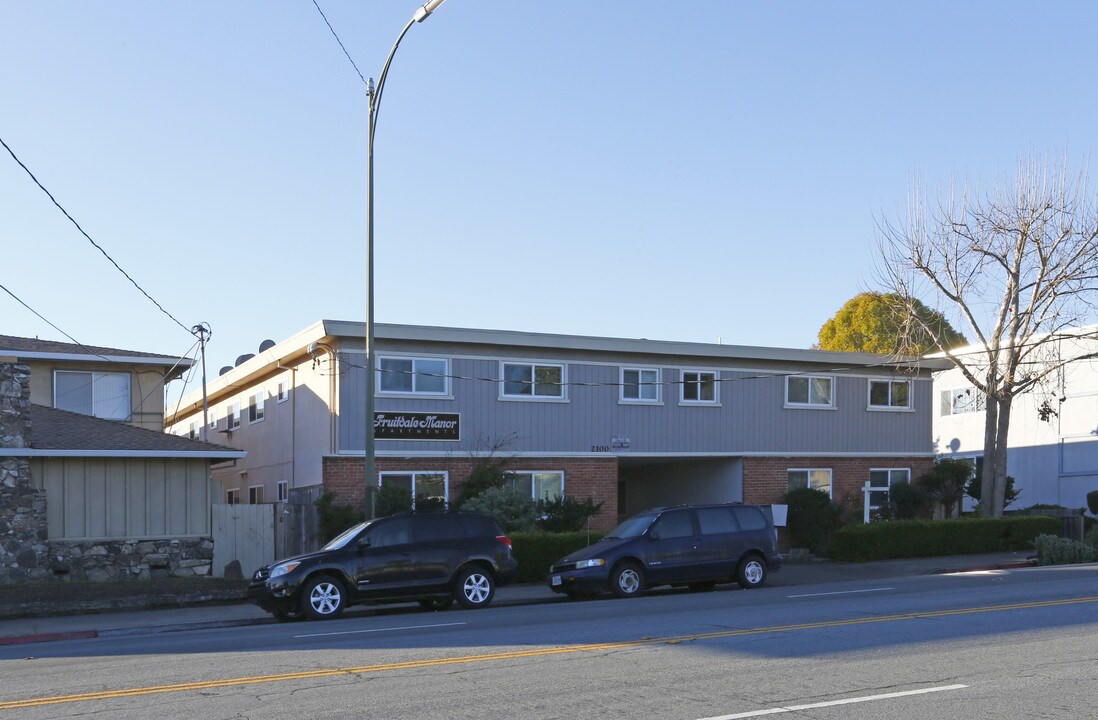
(1001, 644)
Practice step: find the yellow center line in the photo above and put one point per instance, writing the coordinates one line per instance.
(516, 655)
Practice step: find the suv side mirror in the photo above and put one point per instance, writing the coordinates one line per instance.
(363, 544)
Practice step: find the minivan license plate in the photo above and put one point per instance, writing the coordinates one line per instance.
(556, 580)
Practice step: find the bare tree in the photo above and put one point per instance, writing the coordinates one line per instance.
(1018, 265)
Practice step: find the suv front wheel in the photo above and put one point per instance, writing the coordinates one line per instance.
(323, 598)
(474, 588)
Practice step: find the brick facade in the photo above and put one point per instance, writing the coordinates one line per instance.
(596, 478)
(765, 478)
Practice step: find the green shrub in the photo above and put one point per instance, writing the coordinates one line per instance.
(1092, 537)
(1092, 501)
(945, 482)
(928, 538)
(812, 518)
(974, 489)
(906, 501)
(1053, 550)
(393, 498)
(565, 514)
(488, 473)
(515, 511)
(333, 519)
(537, 551)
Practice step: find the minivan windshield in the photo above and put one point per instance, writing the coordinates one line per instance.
(345, 537)
(631, 528)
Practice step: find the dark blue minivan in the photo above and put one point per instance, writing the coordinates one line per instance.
(691, 545)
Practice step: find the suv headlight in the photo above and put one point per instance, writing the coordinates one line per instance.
(283, 568)
(597, 562)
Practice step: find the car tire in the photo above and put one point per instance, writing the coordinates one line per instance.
(436, 603)
(752, 572)
(323, 598)
(474, 588)
(708, 586)
(627, 580)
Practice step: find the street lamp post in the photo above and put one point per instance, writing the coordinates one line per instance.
(374, 94)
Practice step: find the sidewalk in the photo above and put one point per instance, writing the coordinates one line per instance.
(143, 622)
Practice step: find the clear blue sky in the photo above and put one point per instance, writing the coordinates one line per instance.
(669, 170)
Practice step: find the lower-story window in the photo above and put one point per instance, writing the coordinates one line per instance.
(232, 497)
(815, 478)
(255, 494)
(539, 484)
(283, 490)
(884, 478)
(428, 490)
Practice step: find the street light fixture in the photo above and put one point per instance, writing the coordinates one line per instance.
(374, 94)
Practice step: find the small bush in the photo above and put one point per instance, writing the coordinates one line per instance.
(536, 552)
(488, 473)
(1092, 537)
(565, 514)
(974, 489)
(812, 518)
(393, 498)
(907, 501)
(332, 518)
(515, 511)
(927, 538)
(1092, 501)
(1053, 550)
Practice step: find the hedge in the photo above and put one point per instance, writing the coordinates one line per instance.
(537, 551)
(928, 538)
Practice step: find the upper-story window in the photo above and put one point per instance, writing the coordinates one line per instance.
(232, 416)
(193, 432)
(283, 391)
(640, 385)
(700, 386)
(890, 394)
(418, 376)
(962, 400)
(533, 380)
(99, 394)
(809, 391)
(255, 406)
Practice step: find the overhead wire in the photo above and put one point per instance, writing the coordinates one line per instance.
(341, 45)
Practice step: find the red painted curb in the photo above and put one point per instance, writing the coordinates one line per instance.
(49, 637)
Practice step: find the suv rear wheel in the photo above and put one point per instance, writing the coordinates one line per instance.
(474, 588)
(323, 598)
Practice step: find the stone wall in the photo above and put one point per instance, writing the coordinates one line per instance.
(102, 561)
(23, 548)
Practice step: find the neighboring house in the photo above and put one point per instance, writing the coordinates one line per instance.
(631, 423)
(1052, 451)
(108, 383)
(84, 497)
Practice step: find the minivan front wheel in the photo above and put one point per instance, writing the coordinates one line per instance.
(752, 573)
(323, 598)
(474, 588)
(627, 580)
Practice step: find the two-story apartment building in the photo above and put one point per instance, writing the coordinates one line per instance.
(631, 423)
(1053, 437)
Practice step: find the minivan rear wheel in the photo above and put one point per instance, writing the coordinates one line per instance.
(627, 580)
(474, 588)
(752, 572)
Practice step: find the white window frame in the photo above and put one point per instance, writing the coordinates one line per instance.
(414, 392)
(532, 473)
(252, 493)
(194, 430)
(810, 470)
(533, 365)
(829, 405)
(979, 402)
(641, 383)
(910, 407)
(283, 491)
(213, 419)
(232, 496)
(683, 400)
(890, 470)
(232, 416)
(94, 374)
(415, 473)
(283, 391)
(257, 407)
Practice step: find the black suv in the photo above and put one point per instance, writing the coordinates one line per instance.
(694, 545)
(434, 558)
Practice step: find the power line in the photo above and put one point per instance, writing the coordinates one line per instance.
(82, 232)
(336, 36)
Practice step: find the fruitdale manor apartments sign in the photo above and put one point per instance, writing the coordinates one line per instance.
(417, 426)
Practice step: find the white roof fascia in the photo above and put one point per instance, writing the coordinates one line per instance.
(187, 455)
(92, 358)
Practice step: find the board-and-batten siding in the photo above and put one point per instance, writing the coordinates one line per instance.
(750, 418)
(123, 499)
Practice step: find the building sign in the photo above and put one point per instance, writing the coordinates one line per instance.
(417, 426)
(619, 442)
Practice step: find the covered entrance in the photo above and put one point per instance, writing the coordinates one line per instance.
(666, 481)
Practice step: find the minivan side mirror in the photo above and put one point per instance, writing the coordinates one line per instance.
(654, 535)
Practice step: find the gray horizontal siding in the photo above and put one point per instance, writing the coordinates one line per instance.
(750, 418)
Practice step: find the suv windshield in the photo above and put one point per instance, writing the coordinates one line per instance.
(345, 537)
(631, 528)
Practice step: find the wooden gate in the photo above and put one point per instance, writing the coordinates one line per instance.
(245, 533)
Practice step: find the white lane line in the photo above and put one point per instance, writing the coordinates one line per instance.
(841, 592)
(847, 701)
(375, 630)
